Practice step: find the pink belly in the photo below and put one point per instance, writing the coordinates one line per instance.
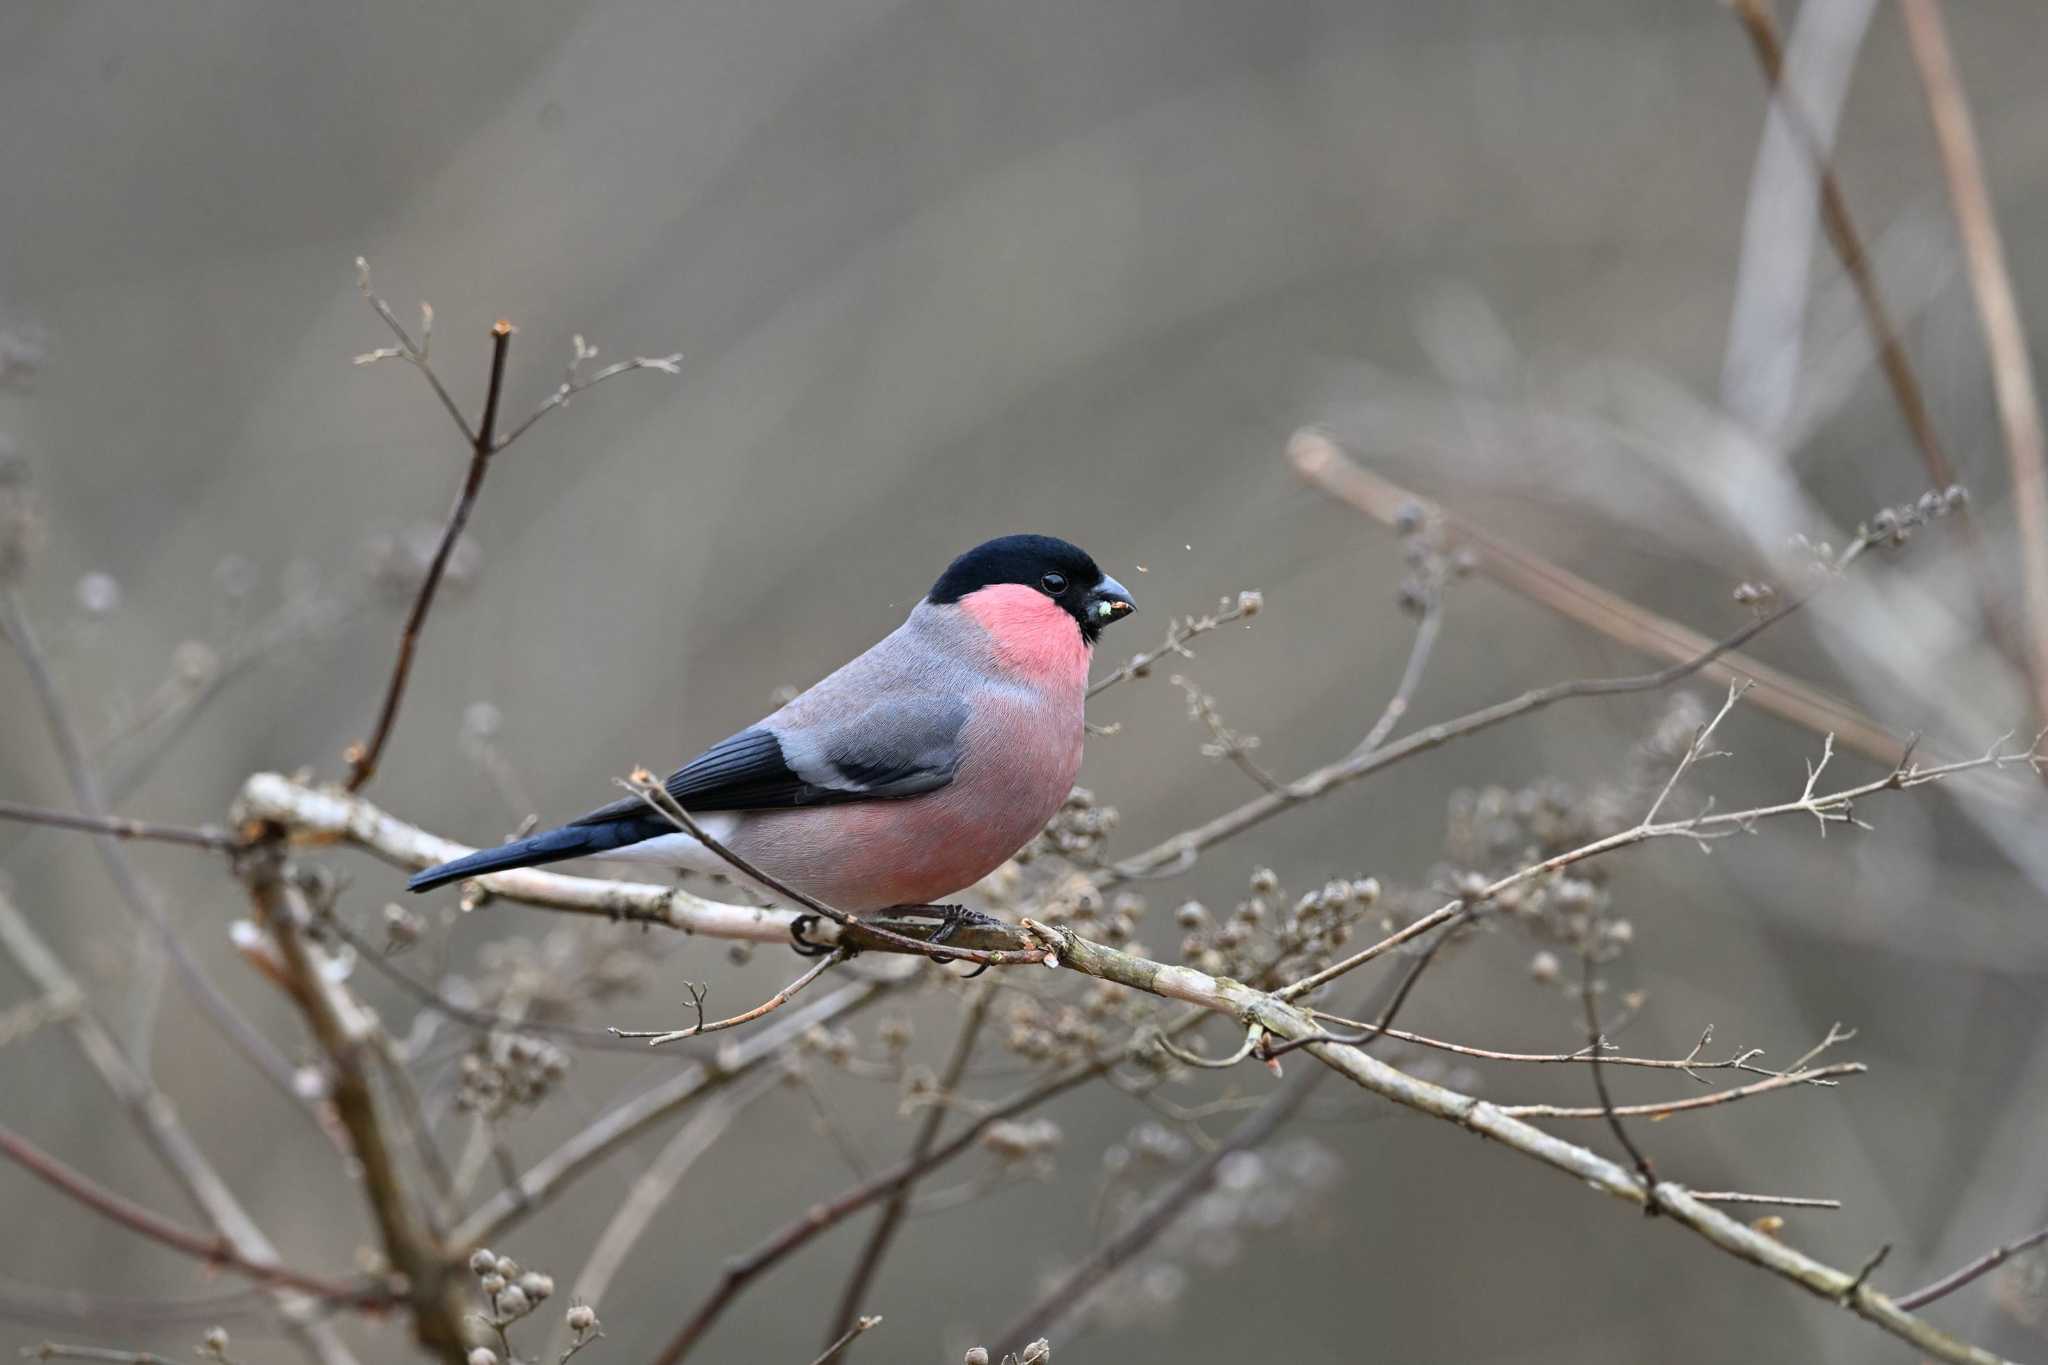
(1021, 760)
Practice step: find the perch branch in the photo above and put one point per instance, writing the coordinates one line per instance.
(1679, 1206)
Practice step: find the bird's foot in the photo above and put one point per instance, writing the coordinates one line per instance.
(805, 946)
(950, 918)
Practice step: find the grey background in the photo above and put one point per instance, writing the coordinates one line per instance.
(938, 272)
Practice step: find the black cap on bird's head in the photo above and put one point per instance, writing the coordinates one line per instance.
(1045, 564)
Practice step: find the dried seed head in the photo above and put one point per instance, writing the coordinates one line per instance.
(537, 1285)
(581, 1318)
(977, 1355)
(483, 1355)
(1544, 967)
(483, 1261)
(513, 1303)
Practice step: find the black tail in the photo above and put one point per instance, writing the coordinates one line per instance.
(549, 846)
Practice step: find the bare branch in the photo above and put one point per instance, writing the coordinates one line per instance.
(837, 1348)
(656, 1037)
(86, 792)
(206, 837)
(1178, 633)
(1318, 460)
(1835, 807)
(575, 382)
(413, 353)
(1956, 1279)
(347, 1034)
(363, 758)
(1790, 1201)
(1682, 1208)
(216, 1251)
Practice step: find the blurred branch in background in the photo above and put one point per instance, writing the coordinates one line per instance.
(2012, 369)
(1317, 459)
(143, 902)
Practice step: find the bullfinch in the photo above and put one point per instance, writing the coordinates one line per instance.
(907, 775)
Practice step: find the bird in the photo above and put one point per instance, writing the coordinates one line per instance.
(904, 777)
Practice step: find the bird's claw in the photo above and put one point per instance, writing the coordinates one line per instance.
(804, 946)
(950, 918)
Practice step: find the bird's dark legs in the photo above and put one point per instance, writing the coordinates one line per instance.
(799, 928)
(949, 917)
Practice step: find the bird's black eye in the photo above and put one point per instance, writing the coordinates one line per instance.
(1054, 584)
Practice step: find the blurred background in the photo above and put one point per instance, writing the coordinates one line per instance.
(943, 271)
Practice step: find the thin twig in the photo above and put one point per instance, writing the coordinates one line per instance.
(656, 1037)
(413, 353)
(1318, 461)
(215, 1251)
(1178, 633)
(2005, 338)
(1742, 1061)
(1790, 1201)
(1837, 807)
(1426, 633)
(1962, 1275)
(41, 1306)
(837, 1348)
(575, 382)
(1318, 458)
(363, 759)
(202, 836)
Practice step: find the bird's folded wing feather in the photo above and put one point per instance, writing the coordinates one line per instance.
(891, 749)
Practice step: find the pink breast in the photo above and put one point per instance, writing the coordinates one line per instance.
(1022, 751)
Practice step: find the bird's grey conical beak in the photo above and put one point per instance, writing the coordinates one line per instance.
(1111, 600)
